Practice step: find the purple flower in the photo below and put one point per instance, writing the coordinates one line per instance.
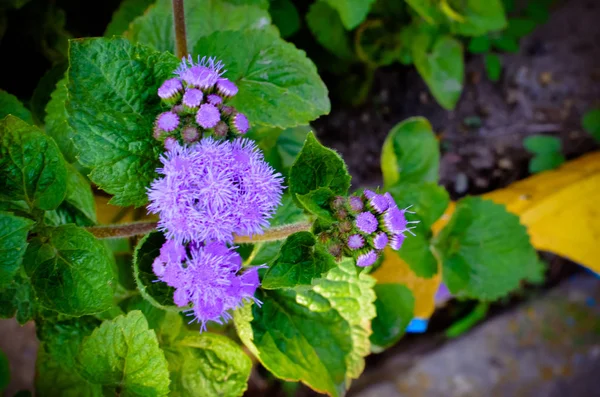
(226, 88)
(214, 99)
(356, 241)
(366, 222)
(240, 124)
(396, 241)
(356, 203)
(394, 220)
(377, 202)
(211, 281)
(380, 241)
(203, 74)
(213, 189)
(208, 116)
(192, 98)
(167, 121)
(366, 259)
(169, 90)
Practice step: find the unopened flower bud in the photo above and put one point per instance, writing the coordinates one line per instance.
(170, 91)
(221, 129)
(239, 123)
(345, 226)
(190, 134)
(226, 88)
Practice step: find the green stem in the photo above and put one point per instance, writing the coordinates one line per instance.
(179, 22)
(141, 228)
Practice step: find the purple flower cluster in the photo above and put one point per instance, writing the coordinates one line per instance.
(212, 185)
(198, 99)
(368, 223)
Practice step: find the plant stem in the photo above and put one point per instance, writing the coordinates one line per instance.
(140, 228)
(179, 22)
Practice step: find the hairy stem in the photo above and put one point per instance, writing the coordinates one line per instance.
(179, 21)
(141, 228)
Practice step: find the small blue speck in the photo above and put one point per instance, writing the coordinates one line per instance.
(417, 326)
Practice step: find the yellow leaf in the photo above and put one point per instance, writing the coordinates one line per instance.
(395, 270)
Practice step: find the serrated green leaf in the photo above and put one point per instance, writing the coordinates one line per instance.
(485, 251)
(289, 144)
(591, 123)
(477, 17)
(125, 14)
(167, 325)
(32, 167)
(10, 104)
(278, 85)
(53, 379)
(410, 153)
(202, 18)
(56, 121)
(394, 305)
(17, 300)
(70, 271)
(352, 12)
(318, 203)
(300, 260)
(207, 365)
(285, 17)
(325, 24)
(442, 68)
(158, 294)
(316, 167)
(112, 105)
(286, 334)
(43, 91)
(79, 195)
(124, 353)
(427, 200)
(493, 66)
(13, 241)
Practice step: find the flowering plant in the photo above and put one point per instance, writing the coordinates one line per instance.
(252, 230)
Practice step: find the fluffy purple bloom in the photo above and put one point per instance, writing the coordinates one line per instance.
(214, 99)
(396, 241)
(366, 259)
(202, 74)
(171, 252)
(226, 88)
(356, 203)
(170, 89)
(380, 240)
(208, 116)
(356, 241)
(366, 222)
(211, 281)
(213, 189)
(192, 98)
(394, 220)
(167, 121)
(377, 202)
(240, 123)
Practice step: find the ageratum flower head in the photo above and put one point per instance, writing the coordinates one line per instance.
(213, 189)
(210, 279)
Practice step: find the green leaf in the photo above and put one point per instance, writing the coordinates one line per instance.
(591, 123)
(506, 44)
(32, 167)
(9, 104)
(485, 251)
(56, 121)
(478, 17)
(4, 371)
(427, 200)
(159, 294)
(318, 334)
(70, 271)
(13, 241)
(519, 27)
(318, 203)
(542, 144)
(125, 14)
(52, 377)
(352, 12)
(18, 300)
(44, 89)
(289, 144)
(325, 24)
(79, 195)
(442, 68)
(202, 18)
(410, 153)
(207, 365)
(300, 260)
(123, 353)
(318, 167)
(112, 105)
(493, 66)
(479, 44)
(285, 17)
(395, 304)
(545, 162)
(278, 85)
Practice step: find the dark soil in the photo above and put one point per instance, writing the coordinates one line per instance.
(544, 89)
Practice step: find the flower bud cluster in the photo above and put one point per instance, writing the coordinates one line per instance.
(198, 101)
(366, 224)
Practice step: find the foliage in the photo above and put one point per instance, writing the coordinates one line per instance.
(546, 151)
